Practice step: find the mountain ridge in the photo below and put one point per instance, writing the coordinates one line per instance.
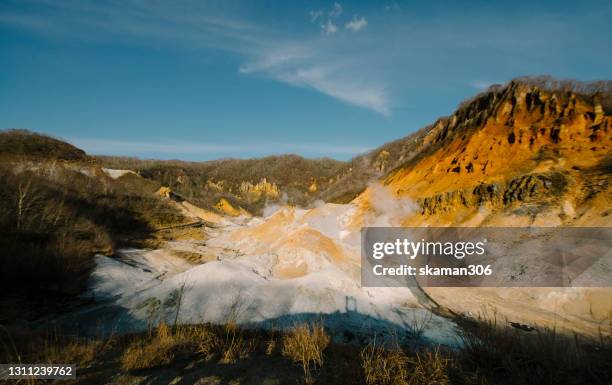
(509, 113)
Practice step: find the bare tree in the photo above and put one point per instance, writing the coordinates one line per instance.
(24, 201)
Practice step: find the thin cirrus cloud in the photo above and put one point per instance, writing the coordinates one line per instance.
(296, 66)
(333, 67)
(323, 79)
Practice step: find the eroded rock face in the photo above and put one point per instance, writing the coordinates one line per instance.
(520, 144)
(544, 189)
(263, 189)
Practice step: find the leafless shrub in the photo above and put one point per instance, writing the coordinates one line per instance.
(418, 324)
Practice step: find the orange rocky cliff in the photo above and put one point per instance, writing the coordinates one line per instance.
(537, 156)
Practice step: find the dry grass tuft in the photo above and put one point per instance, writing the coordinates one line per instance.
(272, 343)
(234, 344)
(165, 344)
(428, 368)
(384, 366)
(392, 366)
(160, 349)
(80, 353)
(207, 341)
(74, 351)
(304, 345)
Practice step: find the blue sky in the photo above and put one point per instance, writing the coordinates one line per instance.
(200, 80)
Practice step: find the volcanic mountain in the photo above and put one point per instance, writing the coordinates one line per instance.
(534, 152)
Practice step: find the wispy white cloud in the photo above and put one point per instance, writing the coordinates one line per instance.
(357, 24)
(329, 28)
(314, 68)
(314, 15)
(334, 67)
(275, 59)
(336, 10)
(398, 60)
(330, 82)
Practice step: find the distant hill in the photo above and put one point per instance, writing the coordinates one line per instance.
(248, 183)
(17, 142)
(58, 209)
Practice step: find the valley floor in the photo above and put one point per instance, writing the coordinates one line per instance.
(237, 289)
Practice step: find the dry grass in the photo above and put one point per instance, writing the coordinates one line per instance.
(492, 354)
(161, 348)
(392, 366)
(19, 345)
(544, 356)
(163, 345)
(77, 352)
(272, 342)
(418, 324)
(428, 368)
(384, 366)
(207, 341)
(57, 349)
(234, 344)
(304, 345)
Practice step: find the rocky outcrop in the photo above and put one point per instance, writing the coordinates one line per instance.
(545, 189)
(253, 192)
(527, 142)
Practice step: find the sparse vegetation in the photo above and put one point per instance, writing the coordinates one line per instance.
(384, 366)
(393, 366)
(56, 215)
(304, 345)
(491, 354)
(80, 351)
(418, 323)
(543, 356)
(207, 341)
(206, 183)
(160, 348)
(24, 143)
(234, 344)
